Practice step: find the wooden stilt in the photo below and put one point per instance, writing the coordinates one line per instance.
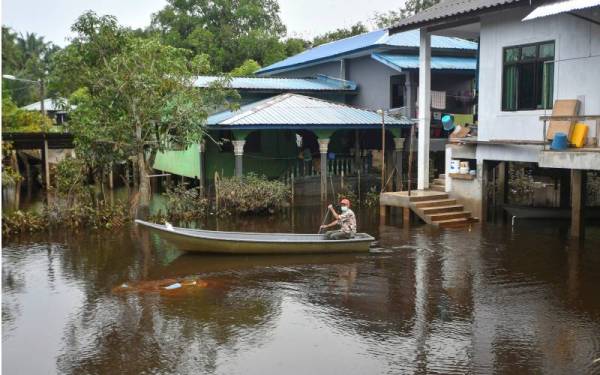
(46, 165)
(405, 216)
(111, 183)
(577, 203)
(383, 214)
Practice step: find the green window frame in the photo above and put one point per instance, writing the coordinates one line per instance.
(528, 76)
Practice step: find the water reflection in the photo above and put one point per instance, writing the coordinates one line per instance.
(492, 300)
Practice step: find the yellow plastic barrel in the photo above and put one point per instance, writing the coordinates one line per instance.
(578, 135)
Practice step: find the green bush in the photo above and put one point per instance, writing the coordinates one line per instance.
(185, 204)
(81, 213)
(251, 194)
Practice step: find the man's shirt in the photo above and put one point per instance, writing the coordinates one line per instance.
(347, 221)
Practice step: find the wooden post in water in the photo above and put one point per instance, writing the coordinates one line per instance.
(359, 198)
(46, 165)
(410, 157)
(577, 203)
(111, 184)
(292, 190)
(382, 150)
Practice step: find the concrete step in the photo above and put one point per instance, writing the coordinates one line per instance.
(442, 176)
(435, 203)
(439, 181)
(450, 215)
(437, 187)
(442, 209)
(454, 223)
(429, 197)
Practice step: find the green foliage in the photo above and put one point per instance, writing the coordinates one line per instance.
(10, 176)
(341, 33)
(229, 31)
(371, 199)
(25, 56)
(411, 7)
(70, 176)
(247, 69)
(15, 119)
(185, 204)
(140, 96)
(294, 46)
(66, 215)
(252, 194)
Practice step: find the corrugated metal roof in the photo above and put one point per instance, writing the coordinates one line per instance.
(447, 9)
(317, 83)
(293, 110)
(560, 7)
(365, 42)
(400, 62)
(54, 105)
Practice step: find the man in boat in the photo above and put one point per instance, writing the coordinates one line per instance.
(346, 220)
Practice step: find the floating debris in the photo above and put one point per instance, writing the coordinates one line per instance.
(165, 286)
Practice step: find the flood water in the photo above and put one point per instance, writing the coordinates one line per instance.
(485, 300)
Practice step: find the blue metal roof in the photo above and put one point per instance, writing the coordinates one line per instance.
(317, 83)
(399, 62)
(294, 111)
(365, 42)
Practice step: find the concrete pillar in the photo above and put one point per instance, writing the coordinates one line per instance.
(201, 171)
(323, 148)
(398, 152)
(424, 109)
(238, 151)
(577, 203)
(448, 180)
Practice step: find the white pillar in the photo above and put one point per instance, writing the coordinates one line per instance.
(323, 148)
(448, 180)
(238, 151)
(424, 109)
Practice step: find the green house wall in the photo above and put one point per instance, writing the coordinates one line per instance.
(182, 163)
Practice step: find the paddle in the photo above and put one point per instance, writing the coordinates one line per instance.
(324, 220)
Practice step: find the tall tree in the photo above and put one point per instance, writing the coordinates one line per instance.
(140, 96)
(26, 56)
(229, 31)
(341, 33)
(411, 7)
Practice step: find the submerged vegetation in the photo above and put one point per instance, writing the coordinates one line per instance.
(251, 194)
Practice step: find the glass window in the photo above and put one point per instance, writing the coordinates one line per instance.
(529, 52)
(511, 54)
(528, 77)
(547, 50)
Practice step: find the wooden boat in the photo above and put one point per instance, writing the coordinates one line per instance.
(208, 241)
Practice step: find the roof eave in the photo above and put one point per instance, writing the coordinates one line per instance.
(444, 22)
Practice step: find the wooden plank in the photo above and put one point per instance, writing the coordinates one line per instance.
(461, 176)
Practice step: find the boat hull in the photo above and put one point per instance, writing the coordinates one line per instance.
(200, 241)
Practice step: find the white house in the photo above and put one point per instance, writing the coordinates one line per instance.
(531, 53)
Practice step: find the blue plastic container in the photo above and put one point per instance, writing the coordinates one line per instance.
(448, 122)
(560, 142)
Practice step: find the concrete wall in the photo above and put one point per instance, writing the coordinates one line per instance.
(577, 75)
(373, 79)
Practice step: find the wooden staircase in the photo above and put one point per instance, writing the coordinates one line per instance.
(439, 184)
(440, 210)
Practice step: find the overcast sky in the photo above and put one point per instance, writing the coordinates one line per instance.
(306, 18)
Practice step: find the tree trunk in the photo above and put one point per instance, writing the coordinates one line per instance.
(144, 187)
